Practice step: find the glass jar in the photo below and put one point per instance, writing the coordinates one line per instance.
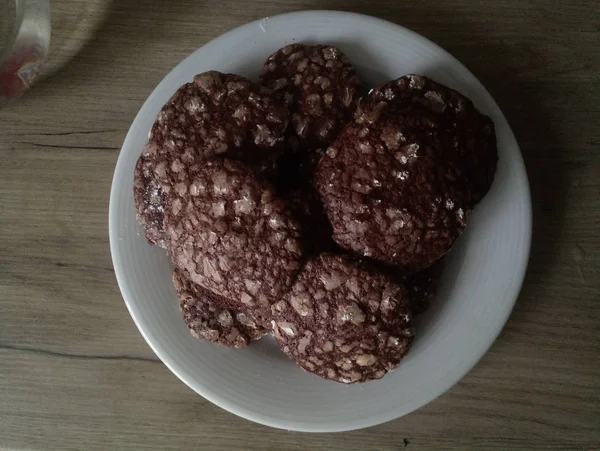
(24, 44)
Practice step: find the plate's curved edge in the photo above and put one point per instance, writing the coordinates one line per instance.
(269, 421)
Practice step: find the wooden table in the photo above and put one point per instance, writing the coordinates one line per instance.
(76, 374)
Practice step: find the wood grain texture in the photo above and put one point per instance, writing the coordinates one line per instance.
(76, 374)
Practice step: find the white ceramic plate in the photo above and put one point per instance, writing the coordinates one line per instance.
(483, 273)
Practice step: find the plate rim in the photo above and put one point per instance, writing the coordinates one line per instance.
(205, 392)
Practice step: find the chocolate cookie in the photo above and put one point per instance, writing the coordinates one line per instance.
(473, 135)
(232, 234)
(385, 189)
(400, 180)
(343, 320)
(319, 85)
(216, 114)
(212, 317)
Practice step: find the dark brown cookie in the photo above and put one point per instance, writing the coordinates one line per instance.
(399, 181)
(216, 114)
(385, 190)
(473, 135)
(343, 320)
(319, 85)
(231, 233)
(212, 317)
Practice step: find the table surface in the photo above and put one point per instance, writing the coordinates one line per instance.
(76, 374)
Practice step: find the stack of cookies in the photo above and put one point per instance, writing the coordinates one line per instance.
(301, 208)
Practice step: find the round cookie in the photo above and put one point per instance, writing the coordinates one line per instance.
(319, 85)
(216, 114)
(473, 134)
(212, 317)
(343, 320)
(232, 234)
(390, 189)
